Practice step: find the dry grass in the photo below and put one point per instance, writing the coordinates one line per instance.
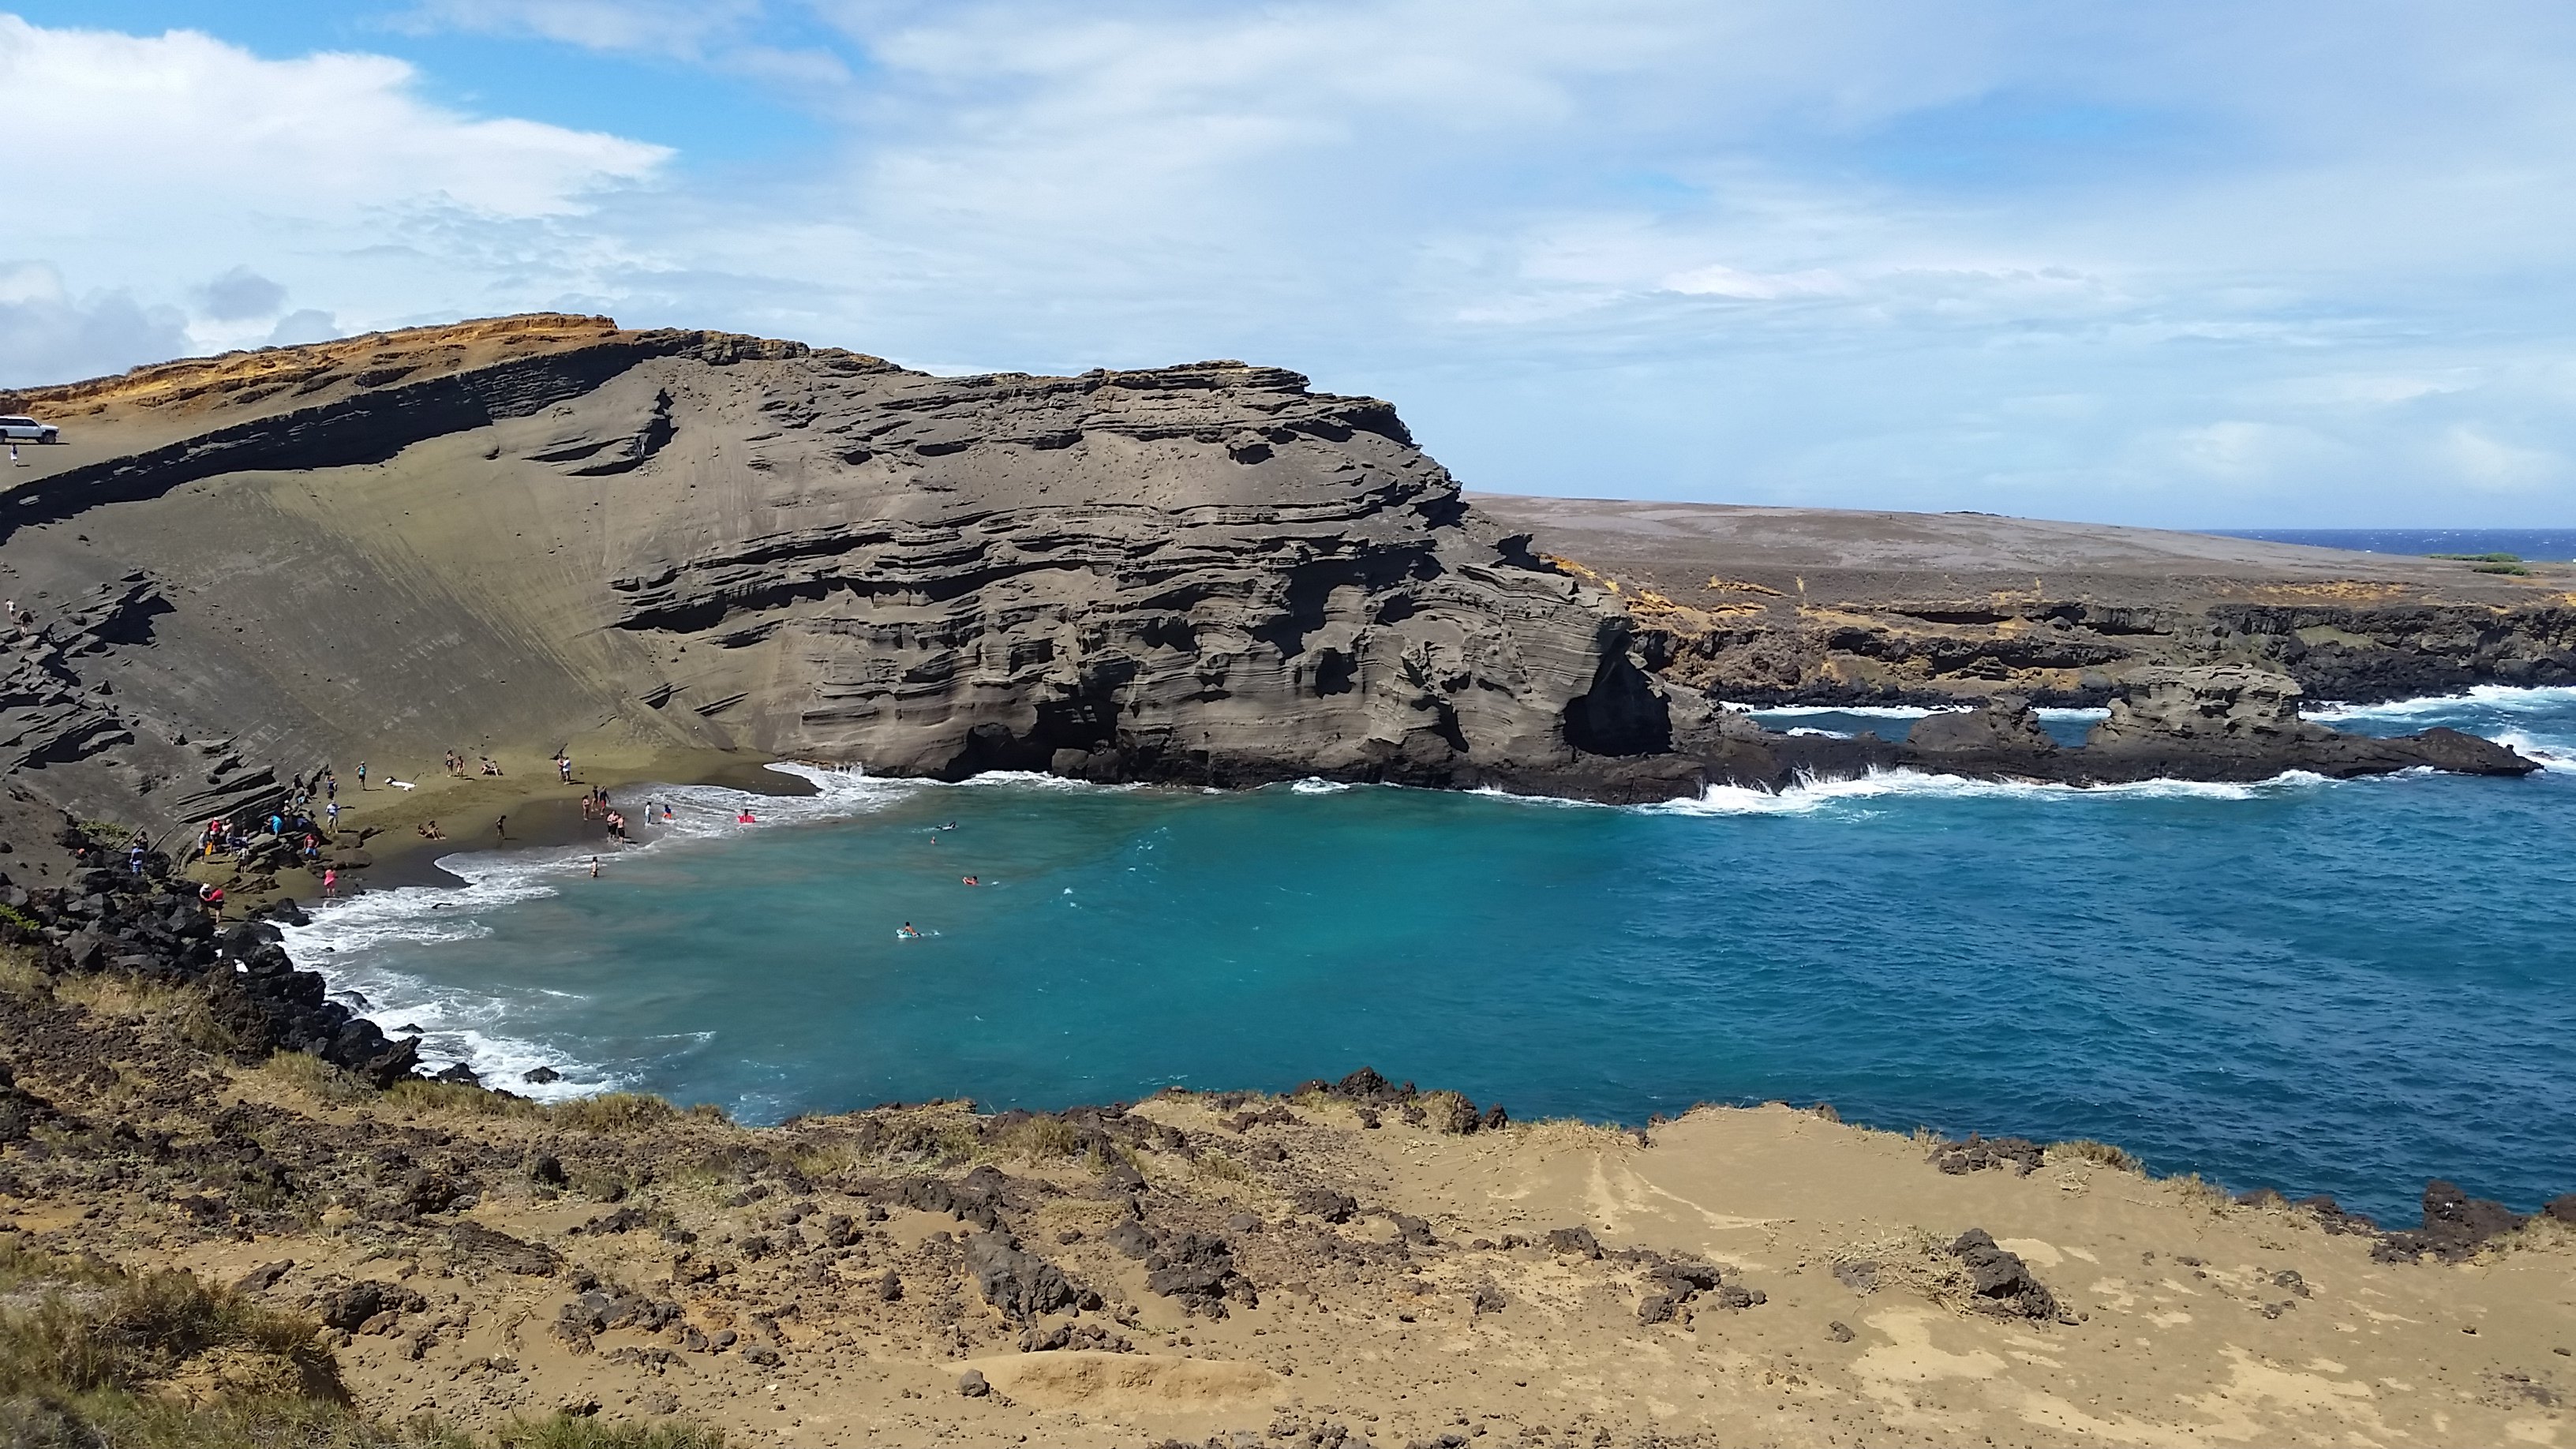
(1218, 1167)
(1040, 1139)
(2194, 1190)
(616, 1112)
(308, 1076)
(1567, 1134)
(2085, 1149)
(94, 1356)
(1910, 1259)
(20, 976)
(457, 1099)
(181, 1010)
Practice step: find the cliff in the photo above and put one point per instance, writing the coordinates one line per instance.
(1838, 606)
(548, 531)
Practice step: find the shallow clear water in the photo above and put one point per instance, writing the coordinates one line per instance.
(2342, 987)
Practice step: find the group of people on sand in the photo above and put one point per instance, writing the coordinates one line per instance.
(290, 818)
(456, 766)
(595, 806)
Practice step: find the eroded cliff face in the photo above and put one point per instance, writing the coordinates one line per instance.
(543, 532)
(1821, 606)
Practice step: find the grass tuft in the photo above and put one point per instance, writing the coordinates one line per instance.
(2085, 1149)
(613, 1112)
(315, 1078)
(1041, 1139)
(2198, 1191)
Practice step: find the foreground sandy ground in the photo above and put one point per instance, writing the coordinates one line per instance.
(1744, 1276)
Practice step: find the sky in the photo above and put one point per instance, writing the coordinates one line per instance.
(2307, 263)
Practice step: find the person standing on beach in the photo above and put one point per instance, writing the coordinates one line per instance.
(362, 774)
(330, 884)
(501, 828)
(333, 810)
(330, 786)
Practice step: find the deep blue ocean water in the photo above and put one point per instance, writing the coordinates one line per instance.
(2538, 544)
(2341, 987)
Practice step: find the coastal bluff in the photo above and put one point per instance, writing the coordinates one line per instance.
(544, 531)
(547, 532)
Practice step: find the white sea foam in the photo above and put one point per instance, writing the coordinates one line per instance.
(1870, 711)
(1893, 711)
(1026, 779)
(1812, 795)
(344, 941)
(2514, 699)
(1314, 786)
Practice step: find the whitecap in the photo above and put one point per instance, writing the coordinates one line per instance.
(2512, 698)
(1314, 785)
(1867, 711)
(1811, 795)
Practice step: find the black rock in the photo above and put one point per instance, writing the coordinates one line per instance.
(1021, 1284)
(2455, 1226)
(2001, 1281)
(1977, 1153)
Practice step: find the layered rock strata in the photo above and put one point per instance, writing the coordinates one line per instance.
(551, 530)
(2226, 724)
(1833, 606)
(544, 533)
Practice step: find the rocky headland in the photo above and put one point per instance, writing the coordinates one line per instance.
(1836, 606)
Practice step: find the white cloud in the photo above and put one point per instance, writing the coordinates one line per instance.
(157, 155)
(2483, 461)
(2278, 257)
(48, 335)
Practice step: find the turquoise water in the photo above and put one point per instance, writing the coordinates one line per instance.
(2341, 987)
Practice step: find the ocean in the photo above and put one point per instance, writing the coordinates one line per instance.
(2309, 985)
(2549, 545)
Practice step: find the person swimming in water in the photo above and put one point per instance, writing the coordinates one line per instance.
(970, 880)
(908, 933)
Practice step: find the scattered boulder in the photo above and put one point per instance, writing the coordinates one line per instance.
(1021, 1284)
(350, 1308)
(1199, 1271)
(2001, 1281)
(1577, 1241)
(1331, 1206)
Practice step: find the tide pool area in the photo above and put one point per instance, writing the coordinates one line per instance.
(2316, 986)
